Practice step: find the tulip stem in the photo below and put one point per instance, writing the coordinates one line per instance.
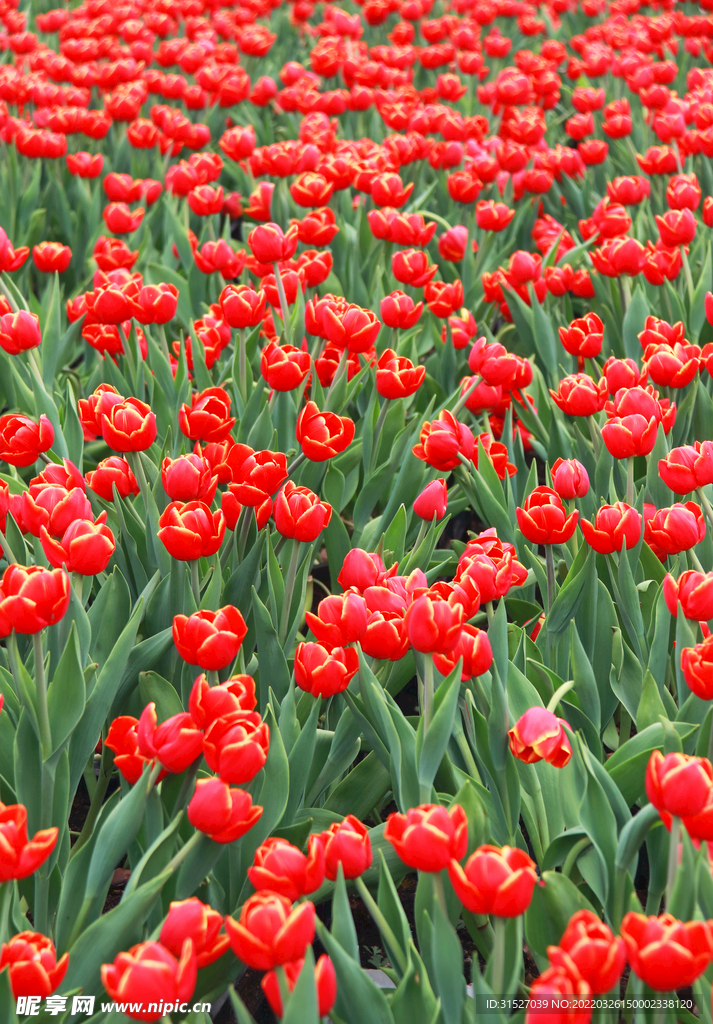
(559, 694)
(7, 550)
(594, 434)
(427, 708)
(466, 395)
(707, 508)
(41, 688)
(283, 302)
(377, 430)
(102, 783)
(242, 367)
(687, 274)
(382, 924)
(138, 471)
(440, 890)
(289, 589)
(5, 905)
(630, 480)
(550, 566)
(195, 581)
(498, 956)
(164, 343)
(672, 857)
(179, 857)
(296, 463)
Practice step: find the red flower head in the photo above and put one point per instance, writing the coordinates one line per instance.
(32, 598)
(190, 531)
(433, 623)
(613, 524)
(176, 743)
(693, 591)
(236, 746)
(85, 547)
(697, 668)
(578, 395)
(539, 735)
(31, 959)
(270, 932)
(325, 980)
(688, 468)
(399, 311)
(442, 442)
(665, 953)
(347, 843)
(280, 867)
(323, 435)
(191, 919)
(495, 881)
(589, 944)
(543, 519)
(21, 856)
(269, 244)
(22, 440)
(570, 479)
(323, 670)
(208, 418)
(428, 837)
(669, 531)
(209, 639)
(677, 784)
(220, 812)
(150, 970)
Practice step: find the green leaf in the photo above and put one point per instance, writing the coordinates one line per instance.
(634, 320)
(302, 1005)
(154, 688)
(343, 928)
(446, 961)
(66, 693)
(116, 835)
(651, 707)
(564, 607)
(431, 743)
(553, 904)
(273, 672)
(358, 998)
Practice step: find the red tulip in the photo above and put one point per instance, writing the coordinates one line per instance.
(191, 919)
(280, 867)
(347, 843)
(190, 531)
(432, 501)
(236, 746)
(697, 668)
(678, 784)
(32, 963)
(323, 435)
(85, 547)
(176, 743)
(570, 479)
(693, 591)
(543, 519)
(428, 837)
(324, 671)
(325, 981)
(539, 735)
(223, 813)
(665, 953)
(495, 881)
(270, 932)
(150, 973)
(613, 524)
(589, 944)
(209, 639)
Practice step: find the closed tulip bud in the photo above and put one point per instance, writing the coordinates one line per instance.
(432, 502)
(325, 980)
(300, 514)
(671, 530)
(613, 524)
(22, 440)
(242, 306)
(677, 784)
(693, 591)
(208, 418)
(590, 945)
(221, 812)
(150, 968)
(269, 244)
(570, 479)
(209, 639)
(665, 953)
(236, 746)
(539, 735)
(428, 837)
(191, 919)
(434, 624)
(323, 435)
(399, 311)
(347, 843)
(34, 970)
(189, 478)
(707, 214)
(543, 519)
(129, 426)
(452, 244)
(495, 881)
(397, 377)
(270, 932)
(323, 670)
(176, 743)
(85, 547)
(281, 867)
(19, 332)
(687, 468)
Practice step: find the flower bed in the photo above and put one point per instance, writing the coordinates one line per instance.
(355, 506)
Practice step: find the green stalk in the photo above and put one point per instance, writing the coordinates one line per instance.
(100, 788)
(499, 924)
(550, 566)
(242, 367)
(41, 687)
(672, 857)
(285, 309)
(630, 480)
(687, 274)
(195, 581)
(381, 923)
(289, 589)
(377, 430)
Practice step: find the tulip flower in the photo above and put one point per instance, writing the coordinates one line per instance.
(150, 973)
(123, 739)
(678, 784)
(22, 440)
(347, 843)
(444, 441)
(697, 668)
(325, 981)
(665, 953)
(190, 531)
(570, 479)
(362, 569)
(589, 944)
(189, 478)
(428, 837)
(221, 812)
(323, 670)
(110, 473)
(397, 377)
(270, 932)
(284, 367)
(236, 746)
(85, 547)
(543, 519)
(539, 735)
(669, 531)
(434, 624)
(495, 881)
(209, 639)
(583, 338)
(280, 867)
(33, 967)
(269, 244)
(323, 435)
(208, 417)
(207, 703)
(176, 743)
(562, 990)
(613, 525)
(432, 501)
(578, 395)
(19, 332)
(693, 591)
(473, 647)
(129, 426)
(191, 919)
(688, 468)
(340, 619)
(32, 598)
(20, 857)
(399, 311)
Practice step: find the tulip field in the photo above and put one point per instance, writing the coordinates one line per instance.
(356, 511)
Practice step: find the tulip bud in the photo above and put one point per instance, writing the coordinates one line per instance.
(539, 735)
(570, 479)
(432, 501)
